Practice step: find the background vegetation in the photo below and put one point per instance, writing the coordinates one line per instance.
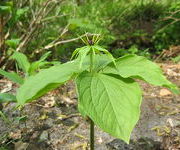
(33, 27)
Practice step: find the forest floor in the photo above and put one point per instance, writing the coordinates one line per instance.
(53, 122)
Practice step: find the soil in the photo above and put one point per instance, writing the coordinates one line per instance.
(53, 122)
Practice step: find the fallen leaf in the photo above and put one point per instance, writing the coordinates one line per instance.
(7, 88)
(20, 145)
(15, 135)
(164, 92)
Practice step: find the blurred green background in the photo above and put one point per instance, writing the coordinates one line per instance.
(143, 27)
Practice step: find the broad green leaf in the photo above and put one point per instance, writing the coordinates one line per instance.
(111, 101)
(12, 76)
(99, 48)
(22, 61)
(100, 61)
(75, 53)
(5, 97)
(41, 63)
(44, 81)
(82, 55)
(139, 67)
(34, 67)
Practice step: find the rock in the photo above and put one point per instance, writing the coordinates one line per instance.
(119, 145)
(39, 146)
(44, 136)
(20, 145)
(173, 122)
(141, 144)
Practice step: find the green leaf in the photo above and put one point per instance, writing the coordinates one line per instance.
(82, 23)
(82, 54)
(35, 66)
(5, 9)
(13, 43)
(21, 12)
(99, 48)
(5, 97)
(3, 116)
(22, 118)
(139, 67)
(75, 53)
(100, 61)
(45, 56)
(12, 76)
(44, 81)
(39, 65)
(111, 101)
(22, 61)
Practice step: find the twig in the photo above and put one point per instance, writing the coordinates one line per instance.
(36, 23)
(52, 44)
(52, 17)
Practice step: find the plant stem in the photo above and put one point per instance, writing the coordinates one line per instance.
(4, 117)
(91, 121)
(1, 34)
(91, 134)
(91, 62)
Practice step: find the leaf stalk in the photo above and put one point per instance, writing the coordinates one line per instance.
(91, 121)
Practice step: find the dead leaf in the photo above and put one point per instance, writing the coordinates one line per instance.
(20, 145)
(49, 101)
(164, 92)
(15, 135)
(7, 88)
(67, 100)
(170, 72)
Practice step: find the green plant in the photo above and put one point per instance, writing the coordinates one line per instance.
(5, 7)
(27, 28)
(107, 91)
(167, 29)
(32, 68)
(132, 50)
(176, 59)
(24, 27)
(28, 68)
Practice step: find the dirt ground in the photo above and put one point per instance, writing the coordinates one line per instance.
(53, 122)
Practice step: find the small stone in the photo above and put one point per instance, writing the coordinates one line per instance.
(173, 122)
(44, 136)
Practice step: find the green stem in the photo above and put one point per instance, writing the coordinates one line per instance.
(4, 117)
(91, 134)
(91, 62)
(91, 121)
